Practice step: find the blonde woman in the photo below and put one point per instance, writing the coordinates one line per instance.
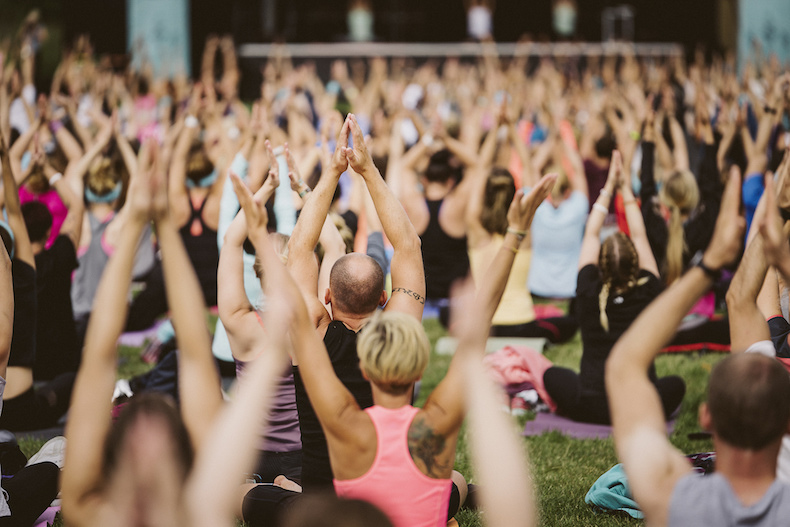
(617, 280)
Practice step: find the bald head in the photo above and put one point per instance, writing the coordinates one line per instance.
(749, 400)
(356, 282)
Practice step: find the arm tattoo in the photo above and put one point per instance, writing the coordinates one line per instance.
(418, 297)
(425, 445)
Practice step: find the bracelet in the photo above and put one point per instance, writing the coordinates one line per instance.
(55, 178)
(304, 192)
(600, 208)
(636, 136)
(605, 192)
(54, 126)
(514, 250)
(191, 121)
(768, 109)
(517, 233)
(629, 201)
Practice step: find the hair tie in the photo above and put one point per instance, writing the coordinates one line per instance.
(111, 196)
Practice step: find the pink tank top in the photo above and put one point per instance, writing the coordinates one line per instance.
(394, 484)
(53, 202)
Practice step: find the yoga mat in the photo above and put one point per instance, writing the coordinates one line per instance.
(548, 422)
(137, 339)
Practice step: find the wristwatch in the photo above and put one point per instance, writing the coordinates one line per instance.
(696, 261)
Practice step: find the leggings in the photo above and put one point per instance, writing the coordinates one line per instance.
(564, 386)
(553, 329)
(30, 491)
(266, 505)
(40, 407)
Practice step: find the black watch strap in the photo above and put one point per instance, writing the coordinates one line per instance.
(696, 261)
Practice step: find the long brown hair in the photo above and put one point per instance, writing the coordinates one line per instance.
(499, 191)
(619, 266)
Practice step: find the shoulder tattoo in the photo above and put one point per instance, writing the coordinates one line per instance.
(426, 445)
(416, 296)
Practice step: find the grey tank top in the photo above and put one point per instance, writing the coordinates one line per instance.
(710, 501)
(94, 259)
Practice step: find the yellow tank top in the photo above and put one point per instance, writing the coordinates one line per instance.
(516, 304)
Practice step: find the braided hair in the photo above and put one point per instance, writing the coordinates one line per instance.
(619, 266)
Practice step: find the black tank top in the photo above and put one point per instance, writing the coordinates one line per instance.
(444, 258)
(341, 345)
(203, 251)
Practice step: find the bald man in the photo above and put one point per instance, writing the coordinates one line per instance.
(356, 288)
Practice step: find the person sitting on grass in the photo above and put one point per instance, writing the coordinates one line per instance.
(138, 470)
(617, 280)
(391, 444)
(748, 409)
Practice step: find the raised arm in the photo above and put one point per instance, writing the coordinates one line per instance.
(6, 309)
(331, 400)
(76, 170)
(408, 274)
(237, 314)
(777, 252)
(498, 456)
(301, 247)
(23, 251)
(198, 380)
(231, 446)
(636, 224)
(591, 241)
(651, 463)
(446, 402)
(89, 414)
(72, 225)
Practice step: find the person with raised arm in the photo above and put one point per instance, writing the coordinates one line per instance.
(356, 289)
(748, 409)
(30, 491)
(392, 445)
(135, 469)
(57, 343)
(617, 280)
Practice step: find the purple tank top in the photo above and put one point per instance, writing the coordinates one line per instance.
(282, 433)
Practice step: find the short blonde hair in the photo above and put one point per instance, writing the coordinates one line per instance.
(393, 351)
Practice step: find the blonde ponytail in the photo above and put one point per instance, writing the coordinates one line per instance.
(676, 245)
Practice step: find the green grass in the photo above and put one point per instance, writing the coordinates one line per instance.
(563, 469)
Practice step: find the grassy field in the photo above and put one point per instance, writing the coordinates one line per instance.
(563, 468)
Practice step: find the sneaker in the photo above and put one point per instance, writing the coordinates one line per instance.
(53, 451)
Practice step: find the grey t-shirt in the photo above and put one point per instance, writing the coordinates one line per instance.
(710, 501)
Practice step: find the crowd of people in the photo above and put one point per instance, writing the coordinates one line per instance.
(514, 197)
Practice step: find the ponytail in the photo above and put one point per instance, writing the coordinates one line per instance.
(676, 245)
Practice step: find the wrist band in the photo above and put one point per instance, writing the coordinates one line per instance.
(304, 192)
(512, 249)
(768, 109)
(517, 233)
(191, 121)
(55, 178)
(629, 201)
(54, 126)
(636, 136)
(605, 192)
(600, 208)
